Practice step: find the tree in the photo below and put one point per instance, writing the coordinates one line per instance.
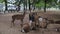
(5, 4)
(29, 5)
(1, 1)
(17, 3)
(59, 4)
(45, 6)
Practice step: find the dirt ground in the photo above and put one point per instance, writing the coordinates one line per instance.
(5, 23)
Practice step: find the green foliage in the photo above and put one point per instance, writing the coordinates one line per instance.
(1, 1)
(49, 3)
(40, 4)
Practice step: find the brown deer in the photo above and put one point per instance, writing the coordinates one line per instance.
(26, 27)
(18, 17)
(40, 21)
(43, 23)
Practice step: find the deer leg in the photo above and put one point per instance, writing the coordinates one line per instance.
(12, 23)
(37, 24)
(21, 23)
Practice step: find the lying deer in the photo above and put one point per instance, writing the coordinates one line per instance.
(43, 22)
(26, 27)
(18, 17)
(40, 21)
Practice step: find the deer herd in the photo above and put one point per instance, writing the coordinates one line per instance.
(35, 21)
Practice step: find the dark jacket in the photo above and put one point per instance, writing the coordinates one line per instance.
(31, 17)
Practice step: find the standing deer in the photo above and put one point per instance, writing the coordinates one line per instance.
(18, 17)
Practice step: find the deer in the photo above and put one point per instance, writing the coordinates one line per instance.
(40, 21)
(26, 27)
(18, 17)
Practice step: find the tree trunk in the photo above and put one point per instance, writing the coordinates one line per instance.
(5, 4)
(29, 6)
(34, 1)
(45, 6)
(33, 8)
(19, 6)
(26, 4)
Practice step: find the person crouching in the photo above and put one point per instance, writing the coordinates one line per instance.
(32, 20)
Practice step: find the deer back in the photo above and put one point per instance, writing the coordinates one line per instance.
(18, 16)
